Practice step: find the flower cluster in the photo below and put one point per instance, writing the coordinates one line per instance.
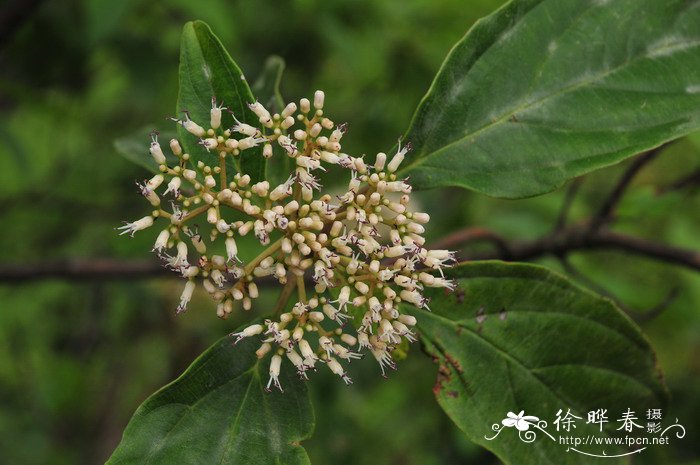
(360, 253)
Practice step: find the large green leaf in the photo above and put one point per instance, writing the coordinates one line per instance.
(519, 337)
(206, 71)
(545, 90)
(218, 412)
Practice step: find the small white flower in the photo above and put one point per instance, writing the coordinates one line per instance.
(190, 126)
(215, 114)
(383, 358)
(337, 368)
(261, 112)
(155, 149)
(398, 158)
(251, 330)
(275, 364)
(161, 241)
(186, 296)
(138, 225)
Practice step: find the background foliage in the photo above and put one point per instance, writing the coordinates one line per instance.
(76, 358)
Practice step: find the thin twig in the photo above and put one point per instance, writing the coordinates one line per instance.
(568, 202)
(577, 274)
(83, 270)
(98, 269)
(579, 237)
(659, 308)
(607, 210)
(638, 316)
(691, 180)
(463, 237)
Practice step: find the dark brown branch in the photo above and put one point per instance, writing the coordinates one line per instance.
(561, 241)
(83, 270)
(659, 308)
(471, 235)
(639, 316)
(97, 269)
(691, 180)
(607, 210)
(558, 244)
(580, 237)
(568, 202)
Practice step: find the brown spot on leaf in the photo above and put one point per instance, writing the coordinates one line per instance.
(443, 377)
(454, 362)
(454, 394)
(459, 295)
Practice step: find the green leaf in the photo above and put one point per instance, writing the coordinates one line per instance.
(206, 71)
(217, 411)
(543, 91)
(135, 148)
(519, 337)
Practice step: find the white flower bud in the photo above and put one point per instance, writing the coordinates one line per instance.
(380, 161)
(289, 110)
(212, 216)
(319, 98)
(175, 147)
(329, 157)
(192, 127)
(231, 144)
(263, 350)
(267, 150)
(315, 131)
(362, 287)
(222, 226)
(287, 123)
(253, 291)
(161, 240)
(260, 112)
(421, 218)
(190, 175)
(155, 182)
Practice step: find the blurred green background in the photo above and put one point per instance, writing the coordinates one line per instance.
(77, 358)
